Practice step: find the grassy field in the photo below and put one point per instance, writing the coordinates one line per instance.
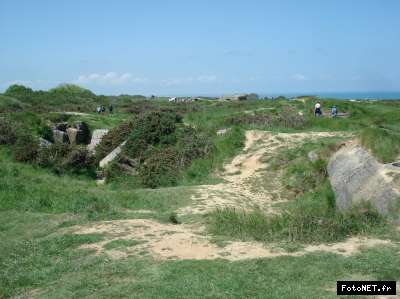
(39, 258)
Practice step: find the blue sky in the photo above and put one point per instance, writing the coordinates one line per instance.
(201, 47)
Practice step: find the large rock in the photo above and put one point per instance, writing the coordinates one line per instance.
(60, 136)
(97, 136)
(356, 176)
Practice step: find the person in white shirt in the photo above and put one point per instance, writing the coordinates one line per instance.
(317, 109)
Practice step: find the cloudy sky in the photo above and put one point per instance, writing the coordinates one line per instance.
(201, 47)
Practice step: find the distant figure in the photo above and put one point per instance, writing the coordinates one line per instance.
(110, 108)
(98, 109)
(317, 109)
(333, 111)
(103, 109)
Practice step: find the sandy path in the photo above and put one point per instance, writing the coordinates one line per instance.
(236, 190)
(169, 241)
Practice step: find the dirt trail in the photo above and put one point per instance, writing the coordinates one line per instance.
(169, 241)
(238, 189)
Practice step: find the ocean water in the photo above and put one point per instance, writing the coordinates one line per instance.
(376, 95)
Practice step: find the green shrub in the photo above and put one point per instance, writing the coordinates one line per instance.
(46, 132)
(9, 104)
(192, 145)
(160, 168)
(62, 158)
(8, 131)
(151, 129)
(26, 148)
(78, 160)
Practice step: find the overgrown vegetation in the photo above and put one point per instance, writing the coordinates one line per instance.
(310, 216)
(287, 117)
(383, 143)
(159, 147)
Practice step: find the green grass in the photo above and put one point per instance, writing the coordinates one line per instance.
(40, 257)
(118, 244)
(51, 266)
(383, 143)
(28, 188)
(311, 219)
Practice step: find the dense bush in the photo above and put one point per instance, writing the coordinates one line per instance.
(8, 131)
(158, 148)
(9, 104)
(26, 148)
(160, 168)
(151, 129)
(62, 157)
(191, 145)
(46, 132)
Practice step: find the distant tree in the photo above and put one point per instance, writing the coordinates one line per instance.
(72, 89)
(17, 89)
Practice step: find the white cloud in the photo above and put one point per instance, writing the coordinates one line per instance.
(110, 78)
(299, 77)
(186, 80)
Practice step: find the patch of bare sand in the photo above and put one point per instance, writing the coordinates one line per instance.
(168, 241)
(235, 191)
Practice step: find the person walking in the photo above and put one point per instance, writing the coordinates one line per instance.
(110, 108)
(334, 111)
(317, 109)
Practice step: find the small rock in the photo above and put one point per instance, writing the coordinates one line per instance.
(222, 132)
(313, 156)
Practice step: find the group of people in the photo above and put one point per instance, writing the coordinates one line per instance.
(318, 111)
(102, 109)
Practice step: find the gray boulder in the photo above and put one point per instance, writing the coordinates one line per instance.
(60, 136)
(356, 176)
